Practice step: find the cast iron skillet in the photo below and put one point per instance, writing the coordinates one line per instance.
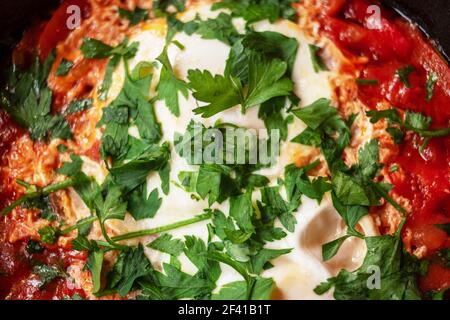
(431, 15)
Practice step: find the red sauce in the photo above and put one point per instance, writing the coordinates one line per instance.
(56, 29)
(16, 278)
(8, 133)
(438, 278)
(21, 284)
(424, 175)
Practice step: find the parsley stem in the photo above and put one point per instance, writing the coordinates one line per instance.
(176, 225)
(434, 133)
(386, 196)
(78, 225)
(40, 192)
(108, 239)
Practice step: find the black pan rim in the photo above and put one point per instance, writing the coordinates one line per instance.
(415, 19)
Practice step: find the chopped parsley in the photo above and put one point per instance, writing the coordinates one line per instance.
(169, 85)
(142, 206)
(95, 49)
(317, 61)
(47, 274)
(163, 7)
(135, 16)
(403, 74)
(78, 106)
(257, 10)
(353, 189)
(48, 234)
(220, 28)
(28, 100)
(257, 71)
(326, 129)
(64, 67)
(414, 121)
(265, 81)
(432, 79)
(398, 271)
(34, 247)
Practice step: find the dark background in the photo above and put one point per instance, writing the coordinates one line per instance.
(433, 16)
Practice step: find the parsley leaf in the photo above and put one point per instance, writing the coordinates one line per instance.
(241, 209)
(316, 59)
(261, 261)
(112, 206)
(161, 7)
(47, 274)
(271, 113)
(297, 183)
(129, 267)
(262, 290)
(208, 182)
(71, 168)
(64, 67)
(414, 121)
(130, 104)
(220, 92)
(432, 79)
(220, 28)
(169, 85)
(135, 16)
(165, 243)
(274, 205)
(28, 100)
(325, 129)
(94, 264)
(195, 250)
(107, 80)
(142, 206)
(95, 49)
(355, 190)
(256, 72)
(48, 234)
(330, 249)
(174, 284)
(398, 274)
(131, 174)
(34, 247)
(257, 10)
(78, 106)
(403, 74)
(316, 113)
(272, 45)
(390, 114)
(266, 81)
(44, 204)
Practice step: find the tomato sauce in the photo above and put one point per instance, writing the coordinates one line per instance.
(9, 131)
(19, 283)
(424, 176)
(59, 26)
(16, 278)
